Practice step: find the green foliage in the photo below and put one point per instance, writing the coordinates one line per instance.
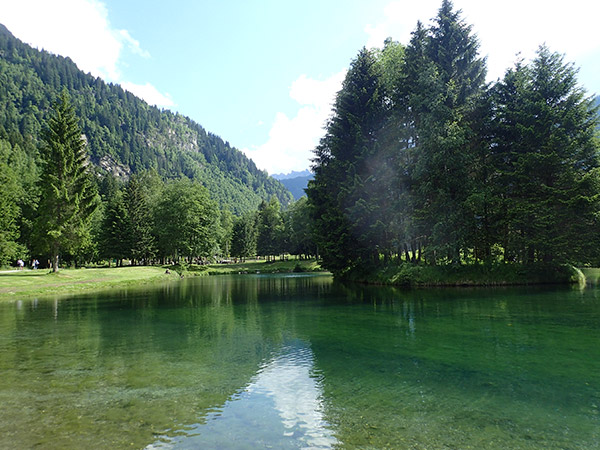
(243, 237)
(546, 155)
(139, 225)
(468, 275)
(10, 194)
(424, 163)
(114, 238)
(345, 167)
(298, 229)
(269, 228)
(187, 221)
(448, 88)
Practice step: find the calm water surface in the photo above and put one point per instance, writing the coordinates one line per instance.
(301, 362)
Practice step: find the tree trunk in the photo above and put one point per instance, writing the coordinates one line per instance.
(406, 253)
(55, 262)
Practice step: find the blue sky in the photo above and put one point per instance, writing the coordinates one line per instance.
(262, 73)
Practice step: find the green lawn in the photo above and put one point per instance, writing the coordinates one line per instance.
(291, 265)
(18, 284)
(37, 283)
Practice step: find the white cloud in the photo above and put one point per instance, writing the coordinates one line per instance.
(149, 93)
(399, 20)
(504, 29)
(292, 140)
(133, 44)
(79, 29)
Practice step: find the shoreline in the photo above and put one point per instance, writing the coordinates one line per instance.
(421, 276)
(26, 284)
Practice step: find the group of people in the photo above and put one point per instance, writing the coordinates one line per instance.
(34, 264)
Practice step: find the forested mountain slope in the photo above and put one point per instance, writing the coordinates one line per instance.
(125, 135)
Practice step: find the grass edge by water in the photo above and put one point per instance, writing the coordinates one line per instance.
(24, 284)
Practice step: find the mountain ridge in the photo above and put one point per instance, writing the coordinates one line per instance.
(125, 134)
(292, 174)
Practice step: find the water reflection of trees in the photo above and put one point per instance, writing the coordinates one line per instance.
(130, 365)
(439, 367)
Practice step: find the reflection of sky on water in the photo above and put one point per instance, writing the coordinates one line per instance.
(280, 408)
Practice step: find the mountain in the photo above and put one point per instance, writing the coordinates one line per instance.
(292, 174)
(297, 185)
(295, 181)
(125, 135)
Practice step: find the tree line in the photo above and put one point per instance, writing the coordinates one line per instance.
(59, 210)
(424, 162)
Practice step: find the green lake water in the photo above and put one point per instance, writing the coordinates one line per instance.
(300, 362)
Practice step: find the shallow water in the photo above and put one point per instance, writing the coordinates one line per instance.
(301, 362)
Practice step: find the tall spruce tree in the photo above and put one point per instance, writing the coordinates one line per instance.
(114, 239)
(10, 193)
(343, 162)
(446, 77)
(68, 196)
(546, 155)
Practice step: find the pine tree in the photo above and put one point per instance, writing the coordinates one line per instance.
(11, 192)
(343, 165)
(547, 161)
(446, 77)
(114, 239)
(68, 196)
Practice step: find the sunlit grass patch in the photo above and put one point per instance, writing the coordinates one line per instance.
(39, 283)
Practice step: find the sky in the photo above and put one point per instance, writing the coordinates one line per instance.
(262, 74)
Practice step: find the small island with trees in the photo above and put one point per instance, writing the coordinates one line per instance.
(426, 174)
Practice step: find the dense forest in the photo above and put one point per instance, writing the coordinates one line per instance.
(124, 134)
(91, 173)
(56, 210)
(423, 162)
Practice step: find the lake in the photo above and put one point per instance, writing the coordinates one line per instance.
(298, 361)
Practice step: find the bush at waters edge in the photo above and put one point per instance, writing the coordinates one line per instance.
(466, 275)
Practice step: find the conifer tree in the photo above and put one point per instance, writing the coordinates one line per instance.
(10, 192)
(343, 163)
(114, 239)
(547, 162)
(447, 84)
(68, 196)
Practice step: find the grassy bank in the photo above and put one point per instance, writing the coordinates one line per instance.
(38, 283)
(472, 275)
(252, 266)
(19, 284)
